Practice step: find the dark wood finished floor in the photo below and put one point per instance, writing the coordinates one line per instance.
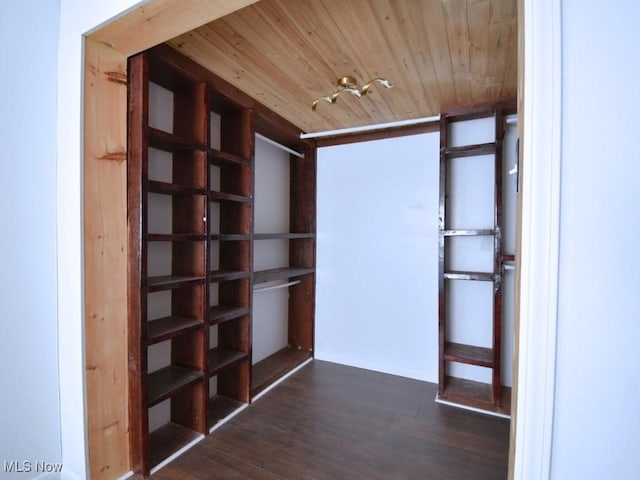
(331, 422)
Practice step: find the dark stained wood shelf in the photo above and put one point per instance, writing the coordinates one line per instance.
(270, 369)
(482, 276)
(168, 282)
(230, 237)
(217, 157)
(206, 222)
(471, 150)
(220, 407)
(228, 197)
(476, 395)
(168, 327)
(222, 313)
(470, 354)
(468, 233)
(165, 382)
(176, 237)
(220, 358)
(263, 276)
(170, 142)
(166, 440)
(226, 275)
(283, 236)
(153, 186)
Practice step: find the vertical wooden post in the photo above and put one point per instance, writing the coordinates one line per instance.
(442, 303)
(105, 259)
(496, 380)
(302, 252)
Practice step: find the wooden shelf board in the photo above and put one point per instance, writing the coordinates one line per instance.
(470, 150)
(482, 276)
(226, 275)
(230, 237)
(154, 186)
(167, 282)
(469, 354)
(270, 369)
(220, 358)
(283, 236)
(219, 158)
(165, 382)
(176, 237)
(228, 197)
(167, 440)
(467, 232)
(171, 142)
(222, 313)
(220, 408)
(168, 327)
(263, 276)
(476, 395)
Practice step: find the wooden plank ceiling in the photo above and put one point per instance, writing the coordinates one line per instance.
(436, 53)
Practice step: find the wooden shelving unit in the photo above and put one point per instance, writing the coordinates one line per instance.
(492, 396)
(191, 238)
(300, 238)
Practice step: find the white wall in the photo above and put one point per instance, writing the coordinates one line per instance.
(77, 17)
(29, 403)
(597, 419)
(377, 257)
(377, 238)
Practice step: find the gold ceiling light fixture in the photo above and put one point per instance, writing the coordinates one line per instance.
(349, 84)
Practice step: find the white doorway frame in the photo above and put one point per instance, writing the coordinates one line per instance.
(540, 119)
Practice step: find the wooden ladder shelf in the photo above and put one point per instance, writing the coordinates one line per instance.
(491, 397)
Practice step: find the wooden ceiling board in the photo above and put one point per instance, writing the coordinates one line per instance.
(437, 53)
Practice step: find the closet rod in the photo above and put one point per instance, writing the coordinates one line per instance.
(279, 145)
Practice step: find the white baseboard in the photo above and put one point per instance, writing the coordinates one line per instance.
(281, 379)
(473, 409)
(413, 374)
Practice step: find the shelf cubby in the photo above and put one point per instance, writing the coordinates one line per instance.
(222, 313)
(221, 358)
(163, 383)
(469, 354)
(169, 327)
(275, 366)
(168, 439)
(286, 273)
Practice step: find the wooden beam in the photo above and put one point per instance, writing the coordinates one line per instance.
(157, 21)
(378, 134)
(105, 259)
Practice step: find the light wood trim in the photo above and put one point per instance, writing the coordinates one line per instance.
(105, 218)
(157, 21)
(105, 259)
